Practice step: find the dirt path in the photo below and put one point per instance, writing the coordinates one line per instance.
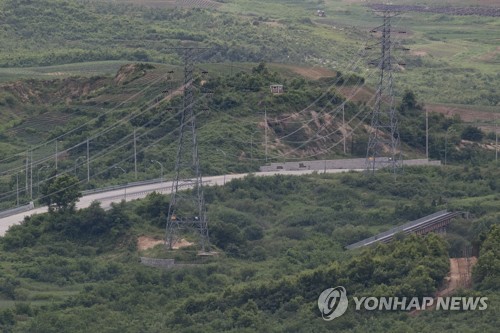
(460, 276)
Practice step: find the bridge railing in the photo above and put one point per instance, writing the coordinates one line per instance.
(409, 225)
(123, 186)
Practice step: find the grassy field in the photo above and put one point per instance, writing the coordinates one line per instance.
(242, 31)
(85, 69)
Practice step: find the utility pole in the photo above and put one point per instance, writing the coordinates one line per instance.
(27, 161)
(135, 155)
(31, 174)
(384, 132)
(496, 138)
(17, 188)
(126, 184)
(343, 126)
(265, 126)
(38, 179)
(88, 162)
(161, 169)
(427, 133)
(448, 131)
(225, 163)
(187, 208)
(56, 154)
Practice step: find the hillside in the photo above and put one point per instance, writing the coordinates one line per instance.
(242, 125)
(280, 242)
(91, 95)
(448, 53)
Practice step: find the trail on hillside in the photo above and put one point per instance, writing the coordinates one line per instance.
(459, 276)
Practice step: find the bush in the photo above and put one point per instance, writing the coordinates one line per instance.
(472, 133)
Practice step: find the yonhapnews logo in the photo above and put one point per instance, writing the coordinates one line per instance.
(333, 303)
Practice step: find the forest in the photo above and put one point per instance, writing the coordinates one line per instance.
(280, 242)
(91, 97)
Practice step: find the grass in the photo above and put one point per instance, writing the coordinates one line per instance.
(278, 26)
(85, 69)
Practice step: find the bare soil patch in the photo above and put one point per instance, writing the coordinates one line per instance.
(466, 114)
(459, 276)
(145, 243)
(490, 56)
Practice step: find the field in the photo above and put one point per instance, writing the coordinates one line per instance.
(175, 3)
(85, 69)
(460, 11)
(482, 117)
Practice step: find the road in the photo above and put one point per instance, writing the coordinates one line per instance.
(137, 192)
(460, 276)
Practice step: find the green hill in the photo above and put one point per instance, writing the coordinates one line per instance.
(280, 242)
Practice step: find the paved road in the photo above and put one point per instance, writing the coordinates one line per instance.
(136, 192)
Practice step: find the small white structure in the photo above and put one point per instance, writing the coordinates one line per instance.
(277, 89)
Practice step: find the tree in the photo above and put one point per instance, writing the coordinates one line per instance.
(472, 133)
(409, 101)
(61, 192)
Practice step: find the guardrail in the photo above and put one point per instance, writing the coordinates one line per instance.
(405, 228)
(161, 190)
(122, 186)
(17, 210)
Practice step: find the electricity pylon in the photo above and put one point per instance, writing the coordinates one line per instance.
(187, 205)
(384, 143)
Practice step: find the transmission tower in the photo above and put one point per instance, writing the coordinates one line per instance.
(383, 143)
(187, 205)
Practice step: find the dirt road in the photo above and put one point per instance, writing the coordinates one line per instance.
(460, 275)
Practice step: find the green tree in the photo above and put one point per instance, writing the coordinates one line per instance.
(487, 270)
(472, 133)
(61, 192)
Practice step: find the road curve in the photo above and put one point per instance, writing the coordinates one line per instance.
(137, 192)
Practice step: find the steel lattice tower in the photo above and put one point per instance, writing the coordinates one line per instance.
(187, 205)
(383, 143)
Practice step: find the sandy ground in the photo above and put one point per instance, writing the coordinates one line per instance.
(460, 275)
(145, 242)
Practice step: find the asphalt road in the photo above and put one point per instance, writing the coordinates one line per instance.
(137, 192)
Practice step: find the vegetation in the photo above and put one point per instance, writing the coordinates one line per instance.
(62, 192)
(280, 241)
(55, 32)
(88, 82)
(229, 122)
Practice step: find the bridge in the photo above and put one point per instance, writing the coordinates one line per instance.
(434, 222)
